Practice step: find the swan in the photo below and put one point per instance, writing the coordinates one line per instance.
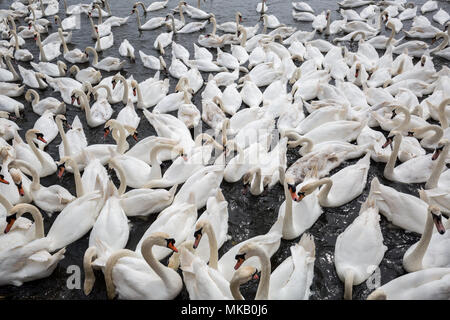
(68, 23)
(422, 29)
(191, 27)
(428, 252)
(20, 54)
(302, 6)
(102, 29)
(154, 6)
(98, 113)
(107, 64)
(441, 17)
(355, 261)
(151, 24)
(103, 43)
(127, 50)
(74, 140)
(415, 48)
(428, 284)
(54, 70)
(134, 277)
(128, 117)
(429, 6)
(49, 199)
(141, 202)
(48, 52)
(294, 223)
(403, 210)
(345, 185)
(11, 105)
(162, 41)
(152, 62)
(11, 74)
(47, 126)
(33, 79)
(72, 56)
(76, 219)
(442, 50)
(48, 104)
(88, 74)
(8, 128)
(298, 269)
(303, 16)
(19, 230)
(29, 262)
(404, 173)
(271, 22)
(28, 152)
(195, 13)
(110, 228)
(353, 3)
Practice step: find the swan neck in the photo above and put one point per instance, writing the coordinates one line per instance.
(213, 251)
(442, 116)
(62, 133)
(437, 170)
(263, 288)
(77, 176)
(122, 178)
(157, 266)
(348, 284)
(389, 168)
(29, 140)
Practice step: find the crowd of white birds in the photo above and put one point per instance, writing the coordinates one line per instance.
(265, 92)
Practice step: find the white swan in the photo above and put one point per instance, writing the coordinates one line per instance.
(107, 64)
(134, 277)
(359, 249)
(48, 104)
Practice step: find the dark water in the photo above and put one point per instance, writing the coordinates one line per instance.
(249, 216)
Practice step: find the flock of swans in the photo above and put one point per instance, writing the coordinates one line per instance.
(387, 108)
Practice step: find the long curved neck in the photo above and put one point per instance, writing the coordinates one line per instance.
(389, 168)
(16, 38)
(65, 7)
(125, 89)
(327, 29)
(213, 251)
(85, 104)
(76, 173)
(244, 37)
(29, 140)
(63, 41)
(234, 288)
(256, 185)
(41, 49)
(438, 133)
(414, 260)
(156, 167)
(108, 8)
(181, 14)
(37, 217)
(139, 19)
(100, 15)
(36, 182)
(158, 267)
(174, 29)
(62, 133)
(442, 116)
(323, 194)
(10, 67)
(103, 86)
(121, 141)
(61, 69)
(288, 222)
(388, 42)
(443, 44)
(122, 178)
(139, 94)
(263, 288)
(110, 263)
(437, 170)
(5, 203)
(35, 96)
(265, 23)
(95, 60)
(214, 22)
(404, 125)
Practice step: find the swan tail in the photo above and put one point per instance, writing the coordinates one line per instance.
(89, 277)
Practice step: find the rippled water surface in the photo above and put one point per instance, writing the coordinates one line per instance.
(248, 215)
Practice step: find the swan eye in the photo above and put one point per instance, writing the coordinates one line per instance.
(171, 244)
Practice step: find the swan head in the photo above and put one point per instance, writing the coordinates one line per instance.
(244, 275)
(200, 227)
(439, 149)
(2, 179)
(62, 118)
(437, 218)
(247, 251)
(17, 178)
(36, 134)
(161, 239)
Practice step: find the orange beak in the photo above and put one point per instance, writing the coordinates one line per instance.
(197, 241)
(135, 137)
(107, 131)
(20, 189)
(2, 179)
(61, 170)
(171, 246)
(293, 194)
(134, 92)
(436, 154)
(11, 221)
(41, 139)
(255, 276)
(239, 262)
